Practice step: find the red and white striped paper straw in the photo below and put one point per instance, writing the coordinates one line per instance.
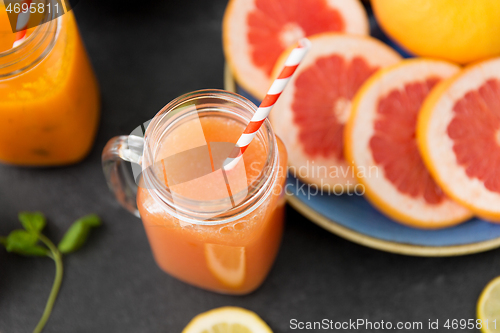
(22, 24)
(291, 64)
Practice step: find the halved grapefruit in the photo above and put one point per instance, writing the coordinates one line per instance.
(310, 114)
(459, 137)
(256, 32)
(380, 142)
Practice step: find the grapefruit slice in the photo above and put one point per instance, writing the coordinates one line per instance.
(459, 137)
(227, 263)
(310, 114)
(380, 142)
(256, 32)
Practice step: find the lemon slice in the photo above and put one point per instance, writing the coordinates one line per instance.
(227, 320)
(488, 307)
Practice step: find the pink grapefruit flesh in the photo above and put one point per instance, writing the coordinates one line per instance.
(476, 135)
(275, 25)
(321, 104)
(393, 144)
(256, 32)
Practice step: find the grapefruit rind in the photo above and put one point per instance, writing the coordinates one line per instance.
(379, 191)
(436, 146)
(281, 117)
(237, 50)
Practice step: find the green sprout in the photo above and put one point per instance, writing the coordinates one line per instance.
(31, 242)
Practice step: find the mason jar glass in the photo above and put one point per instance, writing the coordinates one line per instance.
(49, 99)
(219, 229)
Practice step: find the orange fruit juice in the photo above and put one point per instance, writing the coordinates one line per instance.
(49, 104)
(234, 257)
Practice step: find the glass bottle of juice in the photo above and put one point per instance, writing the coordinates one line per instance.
(213, 228)
(49, 99)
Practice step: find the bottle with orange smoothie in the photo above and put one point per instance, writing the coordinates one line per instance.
(213, 228)
(49, 99)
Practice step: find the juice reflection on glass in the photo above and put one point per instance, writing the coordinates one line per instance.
(197, 234)
(49, 104)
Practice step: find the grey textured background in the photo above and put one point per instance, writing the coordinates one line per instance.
(146, 53)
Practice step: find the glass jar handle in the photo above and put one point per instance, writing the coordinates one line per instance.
(121, 182)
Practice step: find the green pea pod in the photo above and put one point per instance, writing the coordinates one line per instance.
(77, 234)
(32, 222)
(24, 243)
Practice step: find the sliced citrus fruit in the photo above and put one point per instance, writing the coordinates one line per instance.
(310, 114)
(227, 263)
(256, 32)
(488, 307)
(460, 32)
(227, 320)
(459, 137)
(380, 142)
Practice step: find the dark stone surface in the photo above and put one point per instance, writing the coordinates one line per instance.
(146, 53)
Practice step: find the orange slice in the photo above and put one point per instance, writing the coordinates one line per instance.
(459, 137)
(256, 32)
(380, 142)
(310, 114)
(227, 263)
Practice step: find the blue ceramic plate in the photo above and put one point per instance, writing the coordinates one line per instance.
(353, 218)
